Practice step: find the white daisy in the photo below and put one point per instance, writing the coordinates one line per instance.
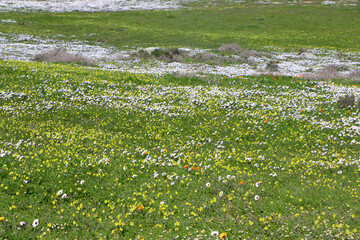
(60, 192)
(22, 223)
(208, 184)
(35, 223)
(256, 197)
(64, 195)
(221, 194)
(82, 182)
(214, 233)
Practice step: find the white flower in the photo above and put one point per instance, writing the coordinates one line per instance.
(172, 183)
(256, 197)
(124, 168)
(156, 174)
(162, 203)
(339, 172)
(25, 181)
(22, 223)
(257, 184)
(214, 233)
(64, 195)
(134, 176)
(221, 194)
(208, 184)
(82, 182)
(35, 223)
(60, 192)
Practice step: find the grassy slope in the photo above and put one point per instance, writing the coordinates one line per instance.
(71, 118)
(254, 27)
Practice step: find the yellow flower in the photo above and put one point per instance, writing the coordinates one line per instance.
(2, 218)
(223, 235)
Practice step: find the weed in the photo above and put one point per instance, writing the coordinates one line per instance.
(61, 55)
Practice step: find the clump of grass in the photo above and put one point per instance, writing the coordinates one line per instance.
(61, 55)
(272, 66)
(230, 48)
(347, 101)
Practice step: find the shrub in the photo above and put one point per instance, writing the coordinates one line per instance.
(230, 48)
(347, 101)
(272, 66)
(169, 54)
(354, 74)
(142, 54)
(335, 67)
(61, 55)
(250, 53)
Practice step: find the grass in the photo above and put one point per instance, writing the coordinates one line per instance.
(163, 157)
(256, 27)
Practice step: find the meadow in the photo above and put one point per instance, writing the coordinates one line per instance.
(87, 153)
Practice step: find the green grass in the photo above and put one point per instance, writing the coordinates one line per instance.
(62, 124)
(257, 27)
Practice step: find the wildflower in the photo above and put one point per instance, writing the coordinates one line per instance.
(256, 197)
(134, 176)
(35, 223)
(339, 172)
(208, 184)
(124, 168)
(140, 208)
(242, 182)
(82, 182)
(64, 196)
(60, 192)
(25, 181)
(221, 194)
(223, 235)
(257, 184)
(2, 218)
(214, 233)
(162, 203)
(186, 166)
(22, 223)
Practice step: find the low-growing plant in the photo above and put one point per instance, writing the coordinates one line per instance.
(169, 54)
(250, 53)
(61, 55)
(336, 67)
(234, 48)
(355, 74)
(141, 54)
(347, 101)
(272, 66)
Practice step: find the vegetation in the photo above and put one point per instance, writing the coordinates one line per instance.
(254, 27)
(87, 153)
